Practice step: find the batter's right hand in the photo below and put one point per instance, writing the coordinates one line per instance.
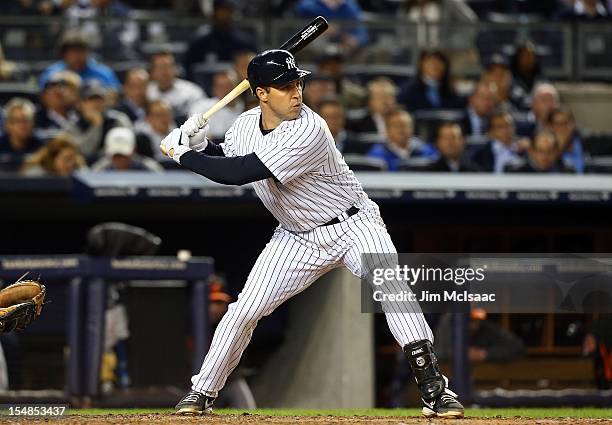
(175, 145)
(195, 128)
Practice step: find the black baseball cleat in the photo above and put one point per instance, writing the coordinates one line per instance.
(194, 403)
(438, 400)
(445, 405)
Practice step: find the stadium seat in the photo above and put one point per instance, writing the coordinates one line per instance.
(599, 165)
(598, 144)
(415, 164)
(365, 163)
(11, 90)
(10, 162)
(363, 142)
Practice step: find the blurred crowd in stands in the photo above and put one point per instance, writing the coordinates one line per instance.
(86, 115)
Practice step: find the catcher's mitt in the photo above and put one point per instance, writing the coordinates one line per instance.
(20, 304)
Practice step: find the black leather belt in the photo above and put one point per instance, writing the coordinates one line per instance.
(345, 215)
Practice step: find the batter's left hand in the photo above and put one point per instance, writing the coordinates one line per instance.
(175, 144)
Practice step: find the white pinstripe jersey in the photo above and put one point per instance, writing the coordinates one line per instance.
(313, 183)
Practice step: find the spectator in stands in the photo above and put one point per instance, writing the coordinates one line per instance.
(180, 94)
(432, 87)
(58, 101)
(120, 153)
(158, 122)
(428, 18)
(481, 104)
(563, 125)
(108, 25)
(96, 119)
(317, 88)
(241, 62)
(337, 10)
(585, 10)
(31, 7)
(420, 12)
(401, 143)
(60, 157)
(223, 83)
(134, 100)
(502, 149)
(544, 100)
(525, 66)
(487, 340)
(382, 93)
(331, 63)
(332, 111)
(18, 138)
(509, 96)
(75, 53)
(543, 156)
(219, 43)
(451, 146)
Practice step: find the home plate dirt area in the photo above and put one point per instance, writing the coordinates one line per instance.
(246, 418)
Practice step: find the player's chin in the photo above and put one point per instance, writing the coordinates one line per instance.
(294, 112)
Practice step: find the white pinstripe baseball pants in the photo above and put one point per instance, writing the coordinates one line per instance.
(289, 263)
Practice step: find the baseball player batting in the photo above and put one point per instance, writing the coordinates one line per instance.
(325, 218)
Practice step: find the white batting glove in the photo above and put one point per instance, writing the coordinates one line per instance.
(175, 144)
(195, 128)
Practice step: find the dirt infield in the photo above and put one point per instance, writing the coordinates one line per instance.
(163, 419)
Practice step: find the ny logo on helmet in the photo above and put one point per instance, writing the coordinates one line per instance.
(291, 63)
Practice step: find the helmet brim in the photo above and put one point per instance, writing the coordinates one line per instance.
(288, 77)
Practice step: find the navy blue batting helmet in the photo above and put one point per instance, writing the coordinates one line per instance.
(273, 68)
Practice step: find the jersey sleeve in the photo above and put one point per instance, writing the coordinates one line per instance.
(299, 150)
(228, 143)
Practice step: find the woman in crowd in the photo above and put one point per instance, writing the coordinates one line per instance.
(431, 88)
(525, 66)
(60, 157)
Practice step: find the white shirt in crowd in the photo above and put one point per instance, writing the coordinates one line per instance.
(504, 156)
(181, 96)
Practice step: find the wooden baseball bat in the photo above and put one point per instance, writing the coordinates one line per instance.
(296, 43)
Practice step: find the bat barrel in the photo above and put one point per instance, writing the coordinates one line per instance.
(306, 36)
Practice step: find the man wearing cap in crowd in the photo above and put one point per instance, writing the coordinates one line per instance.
(119, 153)
(509, 95)
(75, 54)
(331, 63)
(57, 111)
(221, 42)
(96, 119)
